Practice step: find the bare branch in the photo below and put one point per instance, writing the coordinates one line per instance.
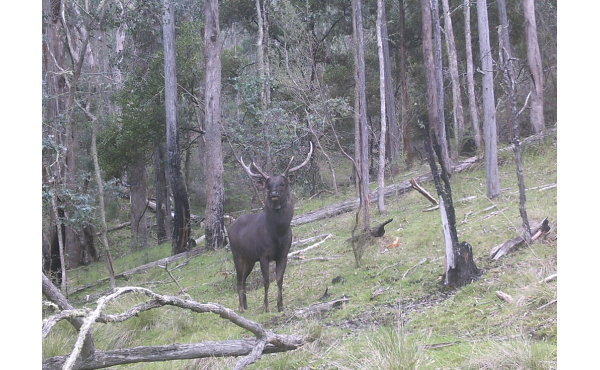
(265, 341)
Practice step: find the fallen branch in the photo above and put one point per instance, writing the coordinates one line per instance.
(424, 192)
(308, 240)
(549, 278)
(310, 247)
(419, 263)
(117, 227)
(536, 230)
(189, 254)
(253, 348)
(319, 308)
(547, 304)
(503, 296)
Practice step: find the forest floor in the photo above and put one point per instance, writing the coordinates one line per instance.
(398, 316)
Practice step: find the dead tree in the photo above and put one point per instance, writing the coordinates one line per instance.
(460, 268)
(86, 356)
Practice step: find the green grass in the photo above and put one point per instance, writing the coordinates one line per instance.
(399, 327)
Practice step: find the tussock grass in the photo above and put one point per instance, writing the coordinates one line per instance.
(398, 312)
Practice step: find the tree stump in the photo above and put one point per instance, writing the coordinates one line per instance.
(465, 270)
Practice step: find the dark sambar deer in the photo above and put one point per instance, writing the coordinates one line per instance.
(265, 236)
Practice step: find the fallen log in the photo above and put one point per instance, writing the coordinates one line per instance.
(253, 348)
(502, 249)
(192, 253)
(319, 308)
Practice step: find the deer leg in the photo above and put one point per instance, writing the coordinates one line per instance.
(264, 268)
(243, 269)
(280, 270)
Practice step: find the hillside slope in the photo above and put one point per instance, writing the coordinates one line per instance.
(397, 312)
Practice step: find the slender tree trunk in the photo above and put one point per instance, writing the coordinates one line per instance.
(457, 108)
(404, 92)
(393, 131)
(357, 129)
(505, 64)
(460, 268)
(163, 223)
(439, 78)
(260, 66)
(364, 133)
(382, 96)
(534, 58)
(181, 208)
(136, 175)
(215, 228)
(109, 265)
(489, 107)
(429, 67)
(470, 79)
(61, 248)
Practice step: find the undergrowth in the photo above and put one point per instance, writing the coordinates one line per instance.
(398, 315)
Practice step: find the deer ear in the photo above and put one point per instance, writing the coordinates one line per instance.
(291, 178)
(260, 184)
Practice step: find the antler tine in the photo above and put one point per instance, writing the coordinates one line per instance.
(294, 169)
(249, 171)
(260, 171)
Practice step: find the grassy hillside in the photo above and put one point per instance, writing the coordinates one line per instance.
(398, 315)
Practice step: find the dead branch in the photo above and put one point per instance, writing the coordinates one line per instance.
(424, 192)
(547, 304)
(548, 279)
(310, 247)
(264, 341)
(320, 307)
(419, 263)
(536, 230)
(189, 254)
(308, 240)
(503, 296)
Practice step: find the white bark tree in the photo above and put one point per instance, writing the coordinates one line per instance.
(536, 114)
(382, 96)
(492, 180)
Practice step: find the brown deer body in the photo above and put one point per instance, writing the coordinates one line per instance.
(266, 236)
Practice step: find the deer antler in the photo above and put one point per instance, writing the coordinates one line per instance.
(252, 174)
(294, 169)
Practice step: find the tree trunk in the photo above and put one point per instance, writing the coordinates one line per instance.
(364, 133)
(393, 131)
(260, 66)
(470, 79)
(460, 268)
(215, 228)
(181, 208)
(489, 108)
(403, 88)
(457, 108)
(441, 133)
(357, 129)
(163, 211)
(534, 58)
(109, 265)
(382, 96)
(505, 65)
(136, 176)
(429, 67)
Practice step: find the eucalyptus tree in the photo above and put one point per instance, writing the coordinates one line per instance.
(473, 112)
(534, 59)
(489, 108)
(181, 207)
(215, 228)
